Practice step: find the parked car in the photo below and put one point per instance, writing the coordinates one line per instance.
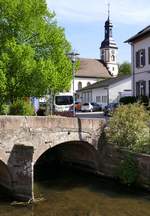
(91, 107)
(77, 106)
(87, 107)
(96, 107)
(110, 108)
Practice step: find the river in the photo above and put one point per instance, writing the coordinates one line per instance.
(69, 192)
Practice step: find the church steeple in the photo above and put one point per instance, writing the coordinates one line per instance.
(108, 48)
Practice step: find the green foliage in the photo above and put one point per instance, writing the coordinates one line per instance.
(4, 109)
(21, 107)
(130, 128)
(128, 100)
(127, 171)
(32, 50)
(125, 68)
(144, 100)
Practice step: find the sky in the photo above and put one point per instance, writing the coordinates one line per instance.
(83, 21)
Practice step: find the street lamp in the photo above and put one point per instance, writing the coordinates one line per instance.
(73, 56)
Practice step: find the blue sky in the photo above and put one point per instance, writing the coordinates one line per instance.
(83, 21)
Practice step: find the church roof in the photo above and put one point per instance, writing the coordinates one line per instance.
(106, 82)
(142, 33)
(92, 68)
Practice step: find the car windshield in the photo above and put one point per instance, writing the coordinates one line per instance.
(85, 104)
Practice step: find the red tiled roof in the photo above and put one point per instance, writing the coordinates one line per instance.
(92, 68)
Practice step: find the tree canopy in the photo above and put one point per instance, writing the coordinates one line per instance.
(125, 68)
(32, 50)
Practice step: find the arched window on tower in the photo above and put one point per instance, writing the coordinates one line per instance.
(113, 57)
(79, 85)
(103, 55)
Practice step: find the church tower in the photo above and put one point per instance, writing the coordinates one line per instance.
(108, 48)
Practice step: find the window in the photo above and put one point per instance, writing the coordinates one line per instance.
(79, 85)
(88, 83)
(98, 99)
(149, 88)
(102, 55)
(148, 55)
(113, 58)
(104, 99)
(141, 88)
(140, 58)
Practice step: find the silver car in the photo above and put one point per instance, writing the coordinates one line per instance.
(87, 107)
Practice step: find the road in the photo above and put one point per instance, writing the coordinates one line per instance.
(93, 115)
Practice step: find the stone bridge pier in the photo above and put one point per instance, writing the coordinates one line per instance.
(23, 140)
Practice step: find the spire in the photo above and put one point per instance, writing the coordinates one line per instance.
(108, 10)
(108, 40)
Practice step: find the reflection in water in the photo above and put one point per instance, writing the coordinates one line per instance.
(73, 193)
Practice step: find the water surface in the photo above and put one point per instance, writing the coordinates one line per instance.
(70, 192)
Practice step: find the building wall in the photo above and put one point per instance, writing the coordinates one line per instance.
(112, 93)
(84, 82)
(100, 96)
(117, 88)
(141, 73)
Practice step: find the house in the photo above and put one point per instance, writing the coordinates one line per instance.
(90, 71)
(140, 54)
(106, 91)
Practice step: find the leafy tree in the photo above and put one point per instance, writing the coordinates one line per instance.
(32, 50)
(125, 68)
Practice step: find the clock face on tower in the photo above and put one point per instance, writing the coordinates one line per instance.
(112, 52)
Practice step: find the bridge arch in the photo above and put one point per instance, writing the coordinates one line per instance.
(77, 153)
(50, 140)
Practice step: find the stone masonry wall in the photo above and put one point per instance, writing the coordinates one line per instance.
(110, 158)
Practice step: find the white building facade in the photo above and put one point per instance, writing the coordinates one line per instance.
(106, 91)
(140, 58)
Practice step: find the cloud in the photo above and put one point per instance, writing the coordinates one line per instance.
(123, 11)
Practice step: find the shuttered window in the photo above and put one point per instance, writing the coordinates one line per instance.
(149, 88)
(140, 58)
(148, 55)
(141, 88)
(137, 59)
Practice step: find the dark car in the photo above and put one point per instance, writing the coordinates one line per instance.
(96, 107)
(110, 108)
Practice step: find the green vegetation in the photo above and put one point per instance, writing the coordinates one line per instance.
(127, 171)
(130, 128)
(125, 68)
(32, 51)
(21, 107)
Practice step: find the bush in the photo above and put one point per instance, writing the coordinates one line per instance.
(21, 107)
(144, 100)
(127, 171)
(4, 109)
(128, 100)
(130, 127)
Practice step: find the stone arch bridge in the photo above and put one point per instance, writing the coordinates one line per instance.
(24, 139)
